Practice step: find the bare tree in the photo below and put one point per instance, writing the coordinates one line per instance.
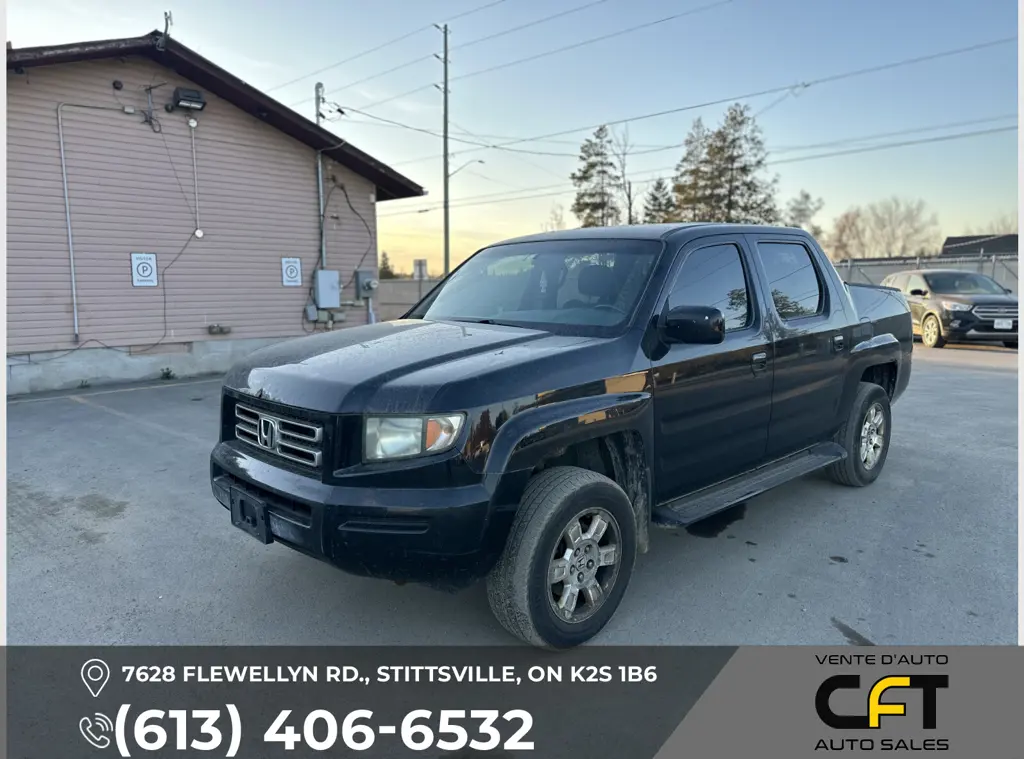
(801, 210)
(900, 227)
(893, 227)
(621, 148)
(555, 220)
(848, 238)
(1004, 224)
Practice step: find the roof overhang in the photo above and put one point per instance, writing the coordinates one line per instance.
(212, 78)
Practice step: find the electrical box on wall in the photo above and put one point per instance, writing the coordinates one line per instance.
(366, 284)
(326, 288)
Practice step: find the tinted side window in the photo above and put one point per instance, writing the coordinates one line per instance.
(792, 279)
(713, 276)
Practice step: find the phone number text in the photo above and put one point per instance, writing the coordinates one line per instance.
(322, 730)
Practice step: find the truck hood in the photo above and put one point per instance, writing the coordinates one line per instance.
(394, 367)
(986, 299)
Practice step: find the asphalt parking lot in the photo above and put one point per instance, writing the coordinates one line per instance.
(114, 537)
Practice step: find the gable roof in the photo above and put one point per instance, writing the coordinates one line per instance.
(172, 54)
(973, 245)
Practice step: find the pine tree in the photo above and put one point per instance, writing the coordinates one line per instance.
(384, 270)
(659, 206)
(736, 159)
(596, 182)
(692, 180)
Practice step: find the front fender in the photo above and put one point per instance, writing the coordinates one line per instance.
(530, 436)
(546, 431)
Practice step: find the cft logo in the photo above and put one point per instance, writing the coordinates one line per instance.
(929, 686)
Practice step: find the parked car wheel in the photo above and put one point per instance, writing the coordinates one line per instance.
(931, 333)
(568, 559)
(865, 436)
(1010, 344)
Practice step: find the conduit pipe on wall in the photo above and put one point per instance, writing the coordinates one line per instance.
(192, 124)
(67, 201)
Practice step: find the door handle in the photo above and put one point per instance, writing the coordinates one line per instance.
(759, 361)
(837, 343)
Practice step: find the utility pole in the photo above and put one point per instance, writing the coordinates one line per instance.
(444, 93)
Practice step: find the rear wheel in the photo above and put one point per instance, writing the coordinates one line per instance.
(865, 436)
(568, 559)
(931, 332)
(1010, 344)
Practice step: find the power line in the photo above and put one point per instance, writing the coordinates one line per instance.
(456, 139)
(519, 156)
(592, 40)
(897, 133)
(476, 41)
(529, 24)
(562, 49)
(750, 95)
(381, 46)
(817, 156)
(844, 141)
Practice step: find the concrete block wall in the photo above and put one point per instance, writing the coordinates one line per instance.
(396, 296)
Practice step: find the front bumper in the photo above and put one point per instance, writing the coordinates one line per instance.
(446, 537)
(965, 326)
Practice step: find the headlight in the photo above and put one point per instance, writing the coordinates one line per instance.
(953, 306)
(396, 437)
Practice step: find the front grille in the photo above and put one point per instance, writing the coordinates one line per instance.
(995, 312)
(298, 442)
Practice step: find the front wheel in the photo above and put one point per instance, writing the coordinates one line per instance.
(865, 436)
(568, 559)
(931, 333)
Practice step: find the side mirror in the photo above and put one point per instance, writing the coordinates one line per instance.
(1008, 291)
(918, 292)
(693, 324)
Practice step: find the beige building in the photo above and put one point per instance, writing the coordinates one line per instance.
(146, 237)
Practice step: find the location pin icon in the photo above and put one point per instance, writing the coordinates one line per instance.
(95, 674)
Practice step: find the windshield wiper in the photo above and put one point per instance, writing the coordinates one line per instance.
(473, 321)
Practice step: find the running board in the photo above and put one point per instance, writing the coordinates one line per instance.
(714, 498)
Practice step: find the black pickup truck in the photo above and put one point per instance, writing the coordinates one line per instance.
(554, 397)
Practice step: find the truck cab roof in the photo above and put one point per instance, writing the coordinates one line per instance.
(651, 232)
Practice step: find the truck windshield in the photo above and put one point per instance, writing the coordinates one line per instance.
(963, 283)
(586, 287)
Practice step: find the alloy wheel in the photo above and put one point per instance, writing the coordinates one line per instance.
(872, 436)
(584, 565)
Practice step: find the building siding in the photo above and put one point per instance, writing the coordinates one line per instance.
(131, 190)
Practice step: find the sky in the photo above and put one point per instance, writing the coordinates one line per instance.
(715, 50)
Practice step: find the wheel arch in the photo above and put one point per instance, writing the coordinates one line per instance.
(609, 434)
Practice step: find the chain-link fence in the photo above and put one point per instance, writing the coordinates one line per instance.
(871, 271)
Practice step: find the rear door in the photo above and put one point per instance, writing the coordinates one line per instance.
(712, 402)
(812, 334)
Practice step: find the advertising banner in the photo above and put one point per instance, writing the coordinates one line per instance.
(598, 702)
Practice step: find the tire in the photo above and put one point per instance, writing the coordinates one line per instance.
(1012, 344)
(518, 588)
(931, 332)
(854, 471)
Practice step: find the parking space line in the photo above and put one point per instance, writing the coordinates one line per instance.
(161, 386)
(137, 420)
